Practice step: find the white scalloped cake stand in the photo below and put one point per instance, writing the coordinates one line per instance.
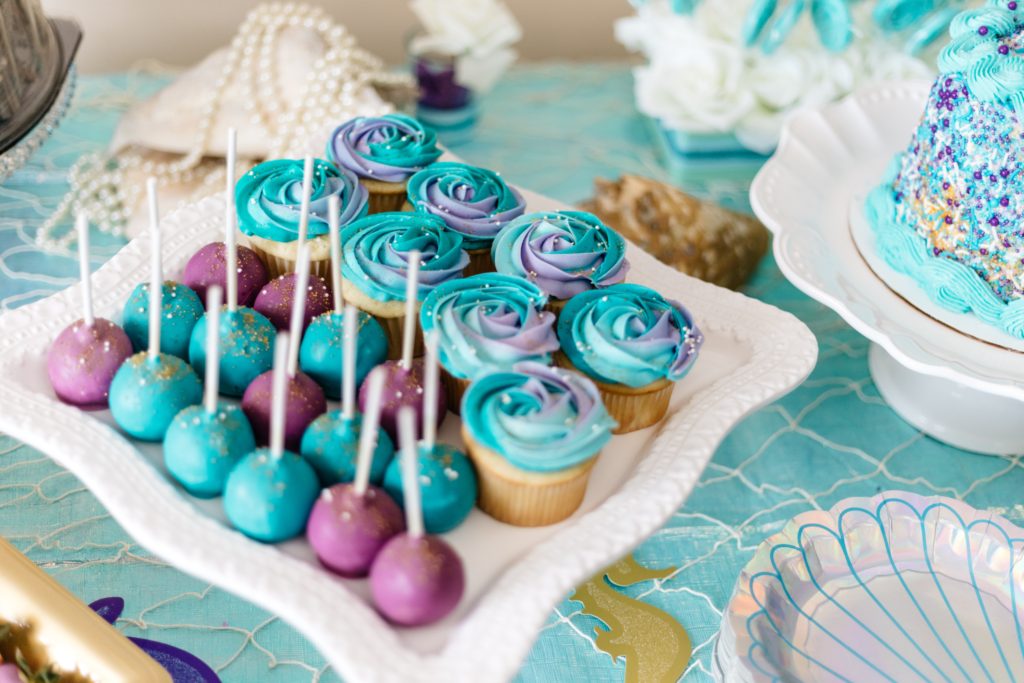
(955, 387)
(754, 353)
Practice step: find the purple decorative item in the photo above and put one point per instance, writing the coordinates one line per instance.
(206, 268)
(416, 580)
(438, 88)
(402, 388)
(304, 403)
(182, 666)
(10, 673)
(347, 530)
(275, 300)
(84, 359)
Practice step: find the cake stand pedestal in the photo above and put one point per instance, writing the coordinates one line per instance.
(937, 371)
(949, 411)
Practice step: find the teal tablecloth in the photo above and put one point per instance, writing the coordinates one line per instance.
(552, 128)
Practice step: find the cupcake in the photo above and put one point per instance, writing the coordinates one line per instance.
(562, 252)
(374, 258)
(533, 434)
(269, 202)
(474, 202)
(485, 323)
(634, 343)
(383, 152)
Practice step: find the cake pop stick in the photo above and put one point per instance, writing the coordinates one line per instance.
(230, 217)
(430, 382)
(298, 309)
(411, 295)
(82, 228)
(333, 211)
(307, 193)
(277, 395)
(350, 332)
(368, 434)
(211, 386)
(155, 272)
(410, 472)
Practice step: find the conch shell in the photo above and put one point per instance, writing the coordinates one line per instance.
(697, 237)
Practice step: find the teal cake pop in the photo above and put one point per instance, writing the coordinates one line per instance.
(331, 442)
(322, 349)
(205, 441)
(448, 484)
(246, 336)
(270, 491)
(151, 387)
(180, 309)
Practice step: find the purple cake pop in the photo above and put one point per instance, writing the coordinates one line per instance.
(84, 359)
(207, 267)
(275, 300)
(402, 388)
(304, 403)
(416, 579)
(347, 530)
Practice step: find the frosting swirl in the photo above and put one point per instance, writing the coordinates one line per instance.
(986, 47)
(629, 334)
(375, 253)
(269, 197)
(540, 419)
(563, 252)
(474, 202)
(489, 322)
(388, 148)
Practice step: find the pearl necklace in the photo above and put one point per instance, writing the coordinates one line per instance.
(97, 180)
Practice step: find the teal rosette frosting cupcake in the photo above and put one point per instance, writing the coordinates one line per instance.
(533, 434)
(487, 322)
(635, 344)
(383, 152)
(472, 201)
(562, 252)
(268, 200)
(375, 264)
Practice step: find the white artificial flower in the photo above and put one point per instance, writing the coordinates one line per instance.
(701, 90)
(457, 27)
(702, 79)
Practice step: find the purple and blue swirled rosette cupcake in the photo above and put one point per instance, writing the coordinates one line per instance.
(533, 433)
(375, 265)
(564, 253)
(485, 323)
(383, 152)
(268, 200)
(634, 343)
(472, 201)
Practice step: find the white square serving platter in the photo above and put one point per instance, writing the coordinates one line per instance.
(753, 354)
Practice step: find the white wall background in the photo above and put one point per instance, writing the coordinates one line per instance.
(119, 33)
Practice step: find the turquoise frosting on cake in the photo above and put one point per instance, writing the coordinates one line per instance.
(269, 198)
(489, 322)
(628, 334)
(376, 249)
(986, 49)
(540, 419)
(950, 209)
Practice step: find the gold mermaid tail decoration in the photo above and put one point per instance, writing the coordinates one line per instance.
(655, 647)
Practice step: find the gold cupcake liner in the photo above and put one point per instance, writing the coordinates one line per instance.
(384, 196)
(480, 261)
(454, 389)
(280, 257)
(634, 408)
(390, 315)
(523, 498)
